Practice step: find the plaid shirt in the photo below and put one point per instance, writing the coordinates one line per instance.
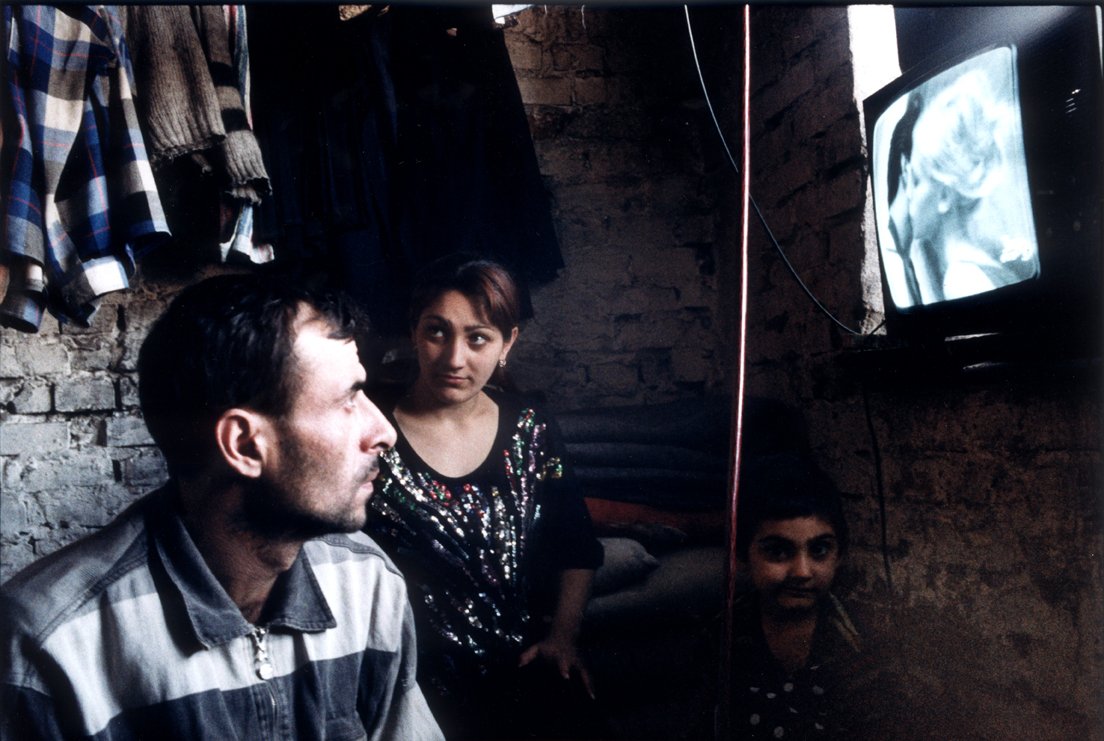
(80, 198)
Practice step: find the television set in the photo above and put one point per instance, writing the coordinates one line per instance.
(986, 159)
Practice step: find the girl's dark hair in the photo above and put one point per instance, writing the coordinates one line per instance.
(783, 487)
(487, 284)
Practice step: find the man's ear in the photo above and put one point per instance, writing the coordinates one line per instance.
(243, 438)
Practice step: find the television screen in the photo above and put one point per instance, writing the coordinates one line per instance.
(951, 195)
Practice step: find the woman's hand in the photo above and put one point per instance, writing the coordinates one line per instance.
(562, 654)
(560, 647)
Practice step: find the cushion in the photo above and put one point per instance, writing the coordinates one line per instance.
(626, 562)
(689, 583)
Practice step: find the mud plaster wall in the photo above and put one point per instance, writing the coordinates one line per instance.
(990, 485)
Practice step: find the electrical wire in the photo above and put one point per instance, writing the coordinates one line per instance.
(751, 200)
(738, 400)
(878, 486)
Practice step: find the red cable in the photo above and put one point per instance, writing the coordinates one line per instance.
(738, 399)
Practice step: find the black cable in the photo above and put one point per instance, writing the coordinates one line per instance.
(751, 199)
(879, 486)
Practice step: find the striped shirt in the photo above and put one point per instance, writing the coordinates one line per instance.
(79, 198)
(127, 634)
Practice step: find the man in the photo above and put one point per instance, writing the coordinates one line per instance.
(238, 601)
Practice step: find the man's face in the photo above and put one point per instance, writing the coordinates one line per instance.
(792, 563)
(320, 477)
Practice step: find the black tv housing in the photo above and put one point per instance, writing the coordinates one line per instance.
(1057, 57)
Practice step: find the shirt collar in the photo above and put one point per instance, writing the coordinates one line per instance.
(296, 602)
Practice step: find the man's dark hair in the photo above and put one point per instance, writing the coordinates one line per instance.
(784, 487)
(225, 342)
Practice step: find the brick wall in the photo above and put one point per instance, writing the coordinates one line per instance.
(619, 130)
(73, 447)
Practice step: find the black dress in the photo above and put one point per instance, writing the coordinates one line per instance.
(843, 692)
(482, 554)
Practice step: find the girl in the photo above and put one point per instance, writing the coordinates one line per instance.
(799, 667)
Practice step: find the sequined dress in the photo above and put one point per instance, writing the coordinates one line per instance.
(479, 552)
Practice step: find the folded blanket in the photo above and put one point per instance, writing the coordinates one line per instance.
(642, 455)
(692, 423)
(664, 488)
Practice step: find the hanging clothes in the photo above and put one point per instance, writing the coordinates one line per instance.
(240, 245)
(191, 66)
(468, 172)
(393, 138)
(189, 94)
(79, 199)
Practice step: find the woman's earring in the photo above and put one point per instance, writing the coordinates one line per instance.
(502, 362)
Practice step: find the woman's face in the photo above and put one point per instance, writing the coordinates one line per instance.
(793, 562)
(458, 349)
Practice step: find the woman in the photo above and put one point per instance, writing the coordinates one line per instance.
(475, 506)
(969, 234)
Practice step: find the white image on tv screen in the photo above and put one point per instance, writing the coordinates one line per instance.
(955, 206)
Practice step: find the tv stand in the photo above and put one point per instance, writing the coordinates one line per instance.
(973, 358)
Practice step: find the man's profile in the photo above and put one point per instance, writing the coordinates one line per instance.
(238, 601)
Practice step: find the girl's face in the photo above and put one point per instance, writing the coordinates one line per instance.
(457, 348)
(793, 563)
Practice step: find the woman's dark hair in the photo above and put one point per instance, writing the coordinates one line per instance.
(783, 487)
(222, 343)
(900, 142)
(487, 284)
